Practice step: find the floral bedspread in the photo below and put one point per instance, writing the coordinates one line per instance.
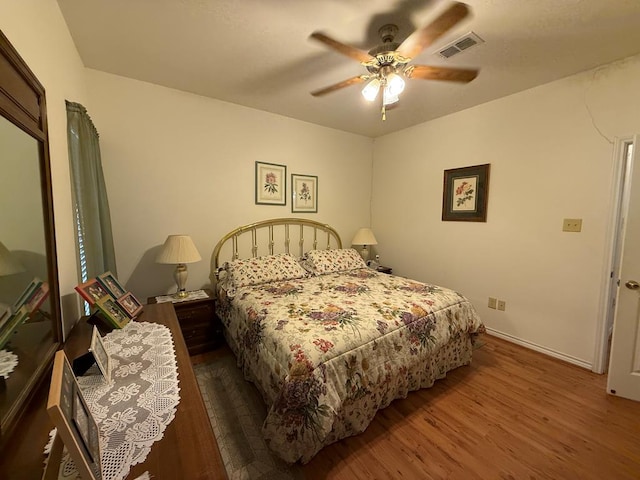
(328, 352)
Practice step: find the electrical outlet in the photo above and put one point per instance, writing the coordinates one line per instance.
(572, 225)
(502, 305)
(493, 302)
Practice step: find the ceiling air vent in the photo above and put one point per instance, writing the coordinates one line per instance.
(461, 44)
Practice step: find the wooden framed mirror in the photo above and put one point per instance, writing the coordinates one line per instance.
(27, 236)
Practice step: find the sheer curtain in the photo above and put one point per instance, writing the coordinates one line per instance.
(93, 220)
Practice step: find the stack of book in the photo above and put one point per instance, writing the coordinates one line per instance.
(105, 294)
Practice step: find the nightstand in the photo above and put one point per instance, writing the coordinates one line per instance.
(201, 328)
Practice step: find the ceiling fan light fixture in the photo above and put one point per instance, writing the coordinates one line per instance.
(388, 98)
(371, 89)
(395, 84)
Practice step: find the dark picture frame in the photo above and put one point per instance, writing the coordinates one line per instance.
(130, 304)
(112, 312)
(465, 194)
(70, 414)
(92, 291)
(271, 184)
(111, 284)
(304, 193)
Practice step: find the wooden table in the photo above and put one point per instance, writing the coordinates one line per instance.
(188, 450)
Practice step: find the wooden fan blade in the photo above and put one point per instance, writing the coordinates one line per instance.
(349, 51)
(338, 86)
(441, 73)
(422, 38)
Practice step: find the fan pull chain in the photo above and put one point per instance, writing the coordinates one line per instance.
(384, 113)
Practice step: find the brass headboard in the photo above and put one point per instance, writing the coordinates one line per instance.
(302, 230)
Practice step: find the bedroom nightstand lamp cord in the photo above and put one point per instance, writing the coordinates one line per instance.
(179, 250)
(364, 237)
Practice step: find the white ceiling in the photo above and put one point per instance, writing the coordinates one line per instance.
(257, 52)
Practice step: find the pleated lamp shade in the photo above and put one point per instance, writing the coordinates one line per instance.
(178, 250)
(364, 237)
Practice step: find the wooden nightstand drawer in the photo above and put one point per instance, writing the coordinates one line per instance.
(201, 314)
(201, 329)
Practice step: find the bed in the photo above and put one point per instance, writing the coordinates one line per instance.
(327, 341)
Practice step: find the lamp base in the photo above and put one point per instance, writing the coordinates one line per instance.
(364, 253)
(180, 276)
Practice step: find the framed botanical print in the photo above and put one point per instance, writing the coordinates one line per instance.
(465, 194)
(271, 184)
(304, 193)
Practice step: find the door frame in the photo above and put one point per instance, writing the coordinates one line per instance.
(618, 200)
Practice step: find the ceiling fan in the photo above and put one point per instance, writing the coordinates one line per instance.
(388, 63)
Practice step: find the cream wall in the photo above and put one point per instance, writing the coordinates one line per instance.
(39, 33)
(175, 163)
(548, 162)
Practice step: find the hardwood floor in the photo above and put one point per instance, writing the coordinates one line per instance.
(512, 414)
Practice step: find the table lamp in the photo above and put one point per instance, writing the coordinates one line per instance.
(364, 237)
(179, 250)
(8, 263)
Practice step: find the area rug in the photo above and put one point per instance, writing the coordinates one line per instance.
(236, 411)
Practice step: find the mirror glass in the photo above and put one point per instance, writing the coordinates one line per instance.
(23, 259)
(30, 318)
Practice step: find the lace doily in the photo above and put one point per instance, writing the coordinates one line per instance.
(133, 410)
(8, 363)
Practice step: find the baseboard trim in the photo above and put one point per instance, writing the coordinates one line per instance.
(539, 348)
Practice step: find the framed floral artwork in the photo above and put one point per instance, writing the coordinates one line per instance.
(271, 184)
(465, 194)
(304, 193)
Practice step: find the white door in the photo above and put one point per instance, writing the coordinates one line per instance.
(624, 364)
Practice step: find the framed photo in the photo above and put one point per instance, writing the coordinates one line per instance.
(130, 304)
(304, 193)
(70, 414)
(5, 314)
(92, 291)
(100, 354)
(271, 184)
(111, 284)
(465, 194)
(38, 297)
(27, 292)
(113, 312)
(13, 322)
